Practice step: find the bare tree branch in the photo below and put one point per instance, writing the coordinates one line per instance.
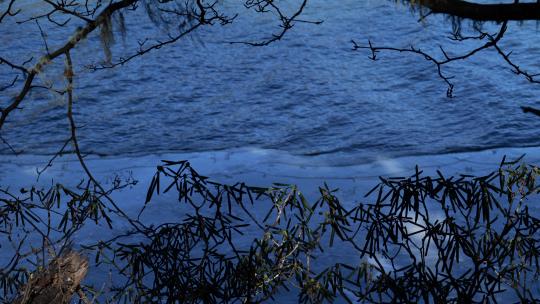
(439, 63)
(70, 44)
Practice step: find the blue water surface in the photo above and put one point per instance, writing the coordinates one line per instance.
(308, 94)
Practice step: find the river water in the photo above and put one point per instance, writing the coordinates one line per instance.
(309, 94)
(305, 110)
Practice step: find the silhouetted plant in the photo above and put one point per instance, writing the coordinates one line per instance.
(37, 225)
(422, 239)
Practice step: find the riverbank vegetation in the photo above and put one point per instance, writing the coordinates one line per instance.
(417, 239)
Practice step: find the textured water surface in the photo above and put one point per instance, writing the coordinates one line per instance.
(308, 94)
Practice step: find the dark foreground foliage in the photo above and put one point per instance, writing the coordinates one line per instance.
(413, 240)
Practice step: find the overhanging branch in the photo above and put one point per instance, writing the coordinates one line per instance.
(484, 12)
